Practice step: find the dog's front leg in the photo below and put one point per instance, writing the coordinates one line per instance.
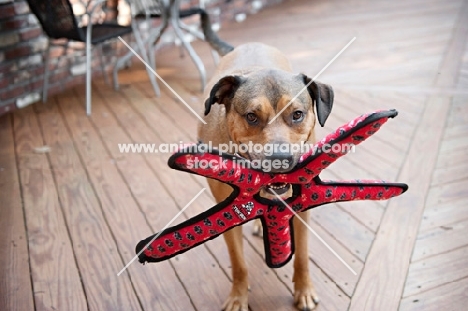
(238, 298)
(305, 296)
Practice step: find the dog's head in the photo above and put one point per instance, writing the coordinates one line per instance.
(272, 113)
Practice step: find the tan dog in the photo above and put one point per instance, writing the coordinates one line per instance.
(252, 84)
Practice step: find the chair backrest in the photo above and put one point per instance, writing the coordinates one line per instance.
(57, 18)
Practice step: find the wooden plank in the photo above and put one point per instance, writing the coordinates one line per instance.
(370, 101)
(354, 236)
(449, 159)
(455, 131)
(126, 221)
(367, 213)
(437, 270)
(441, 239)
(450, 296)
(178, 113)
(457, 172)
(457, 122)
(454, 144)
(95, 250)
(329, 264)
(378, 288)
(442, 214)
(54, 272)
(16, 292)
(447, 193)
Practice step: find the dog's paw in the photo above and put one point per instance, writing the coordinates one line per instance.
(305, 297)
(257, 228)
(236, 303)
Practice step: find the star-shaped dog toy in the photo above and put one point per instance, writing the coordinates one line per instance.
(244, 204)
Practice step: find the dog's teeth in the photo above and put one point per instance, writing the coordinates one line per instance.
(277, 187)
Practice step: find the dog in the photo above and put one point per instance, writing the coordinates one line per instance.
(252, 84)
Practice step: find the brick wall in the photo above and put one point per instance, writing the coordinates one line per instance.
(23, 45)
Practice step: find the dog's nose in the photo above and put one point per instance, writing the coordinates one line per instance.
(280, 162)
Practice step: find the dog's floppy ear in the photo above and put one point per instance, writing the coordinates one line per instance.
(323, 96)
(223, 91)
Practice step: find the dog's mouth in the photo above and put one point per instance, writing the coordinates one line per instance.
(271, 189)
(277, 188)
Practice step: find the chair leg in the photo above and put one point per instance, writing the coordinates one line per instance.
(154, 39)
(101, 61)
(199, 36)
(124, 61)
(142, 50)
(88, 75)
(121, 62)
(196, 59)
(152, 55)
(45, 86)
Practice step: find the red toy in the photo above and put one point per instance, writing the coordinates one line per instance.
(244, 204)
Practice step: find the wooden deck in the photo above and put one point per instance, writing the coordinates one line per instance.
(71, 217)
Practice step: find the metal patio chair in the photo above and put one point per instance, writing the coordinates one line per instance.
(59, 22)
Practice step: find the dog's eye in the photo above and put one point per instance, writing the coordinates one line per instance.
(298, 116)
(251, 118)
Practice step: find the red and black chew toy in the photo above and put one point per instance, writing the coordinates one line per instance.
(244, 204)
